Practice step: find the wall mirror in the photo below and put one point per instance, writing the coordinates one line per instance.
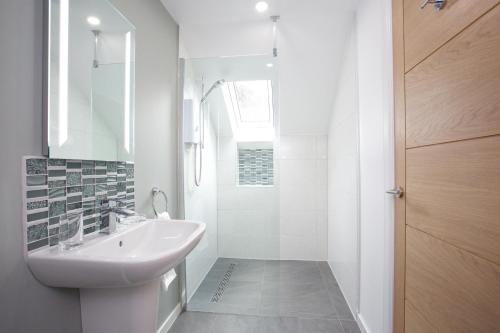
(89, 81)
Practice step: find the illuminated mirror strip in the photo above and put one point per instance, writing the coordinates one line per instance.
(49, 71)
(127, 91)
(63, 70)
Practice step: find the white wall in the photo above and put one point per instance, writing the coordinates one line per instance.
(373, 109)
(303, 197)
(343, 178)
(376, 163)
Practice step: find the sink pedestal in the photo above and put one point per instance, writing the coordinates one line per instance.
(120, 310)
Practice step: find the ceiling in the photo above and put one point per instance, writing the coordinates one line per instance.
(311, 36)
(231, 11)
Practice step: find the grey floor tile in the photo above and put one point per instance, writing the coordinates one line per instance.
(316, 305)
(273, 289)
(220, 308)
(291, 266)
(202, 296)
(193, 322)
(242, 293)
(350, 326)
(333, 289)
(277, 325)
(326, 274)
(226, 262)
(340, 304)
(234, 324)
(216, 274)
(248, 273)
(320, 326)
(290, 291)
(211, 282)
(292, 272)
(293, 277)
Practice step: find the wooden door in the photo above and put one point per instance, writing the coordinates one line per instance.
(447, 118)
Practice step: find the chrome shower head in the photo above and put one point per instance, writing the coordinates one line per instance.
(214, 86)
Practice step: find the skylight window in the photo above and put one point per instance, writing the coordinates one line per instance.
(250, 109)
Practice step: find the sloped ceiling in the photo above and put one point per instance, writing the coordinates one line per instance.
(311, 36)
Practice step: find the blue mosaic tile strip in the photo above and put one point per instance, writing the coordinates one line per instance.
(255, 167)
(36, 204)
(56, 187)
(37, 180)
(36, 166)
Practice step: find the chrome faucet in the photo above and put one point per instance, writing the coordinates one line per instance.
(117, 213)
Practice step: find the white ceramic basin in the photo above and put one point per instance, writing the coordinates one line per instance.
(133, 256)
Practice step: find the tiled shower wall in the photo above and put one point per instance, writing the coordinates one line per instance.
(255, 166)
(303, 197)
(248, 220)
(53, 188)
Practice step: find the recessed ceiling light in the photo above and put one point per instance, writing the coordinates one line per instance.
(270, 65)
(261, 6)
(94, 21)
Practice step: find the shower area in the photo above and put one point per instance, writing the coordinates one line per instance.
(230, 122)
(261, 194)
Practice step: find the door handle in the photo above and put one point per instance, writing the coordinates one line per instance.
(396, 192)
(438, 4)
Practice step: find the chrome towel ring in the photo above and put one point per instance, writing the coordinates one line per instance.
(154, 193)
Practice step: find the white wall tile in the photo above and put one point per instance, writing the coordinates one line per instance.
(298, 171)
(297, 196)
(226, 148)
(322, 235)
(322, 147)
(297, 223)
(286, 221)
(248, 215)
(303, 197)
(298, 248)
(297, 147)
(226, 172)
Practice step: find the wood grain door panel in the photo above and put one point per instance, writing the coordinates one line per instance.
(452, 289)
(447, 143)
(453, 193)
(455, 93)
(425, 30)
(415, 322)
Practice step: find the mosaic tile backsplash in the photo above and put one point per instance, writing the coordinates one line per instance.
(54, 188)
(256, 166)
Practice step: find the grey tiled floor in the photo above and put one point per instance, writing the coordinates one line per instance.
(268, 296)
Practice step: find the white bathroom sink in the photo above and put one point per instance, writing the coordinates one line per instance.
(133, 256)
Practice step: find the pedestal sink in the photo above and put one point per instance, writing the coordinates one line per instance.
(119, 274)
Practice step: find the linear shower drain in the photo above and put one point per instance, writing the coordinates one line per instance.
(223, 284)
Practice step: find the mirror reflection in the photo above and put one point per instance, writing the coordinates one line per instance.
(90, 81)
